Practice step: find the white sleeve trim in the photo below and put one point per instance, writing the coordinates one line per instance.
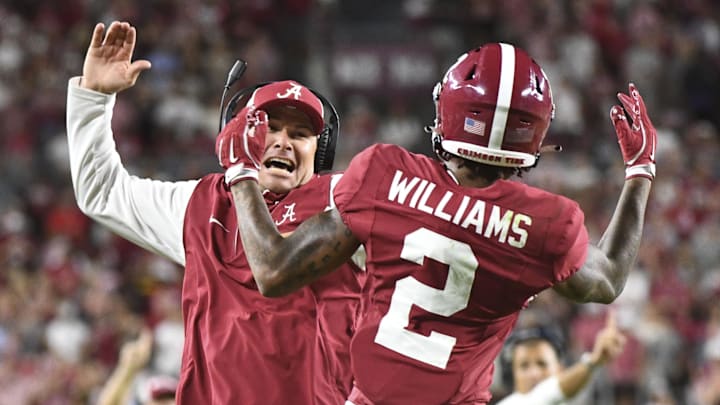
(333, 182)
(147, 212)
(360, 255)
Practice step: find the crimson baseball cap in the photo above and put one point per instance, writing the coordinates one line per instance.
(289, 93)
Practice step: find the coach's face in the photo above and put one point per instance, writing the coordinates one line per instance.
(532, 362)
(290, 147)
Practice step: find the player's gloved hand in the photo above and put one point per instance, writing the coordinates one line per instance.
(637, 138)
(241, 145)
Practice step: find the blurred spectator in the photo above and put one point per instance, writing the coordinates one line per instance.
(169, 330)
(127, 384)
(706, 388)
(400, 127)
(67, 335)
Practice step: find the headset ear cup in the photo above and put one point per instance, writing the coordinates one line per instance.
(321, 151)
(328, 138)
(325, 154)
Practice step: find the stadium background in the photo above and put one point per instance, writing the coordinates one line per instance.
(71, 293)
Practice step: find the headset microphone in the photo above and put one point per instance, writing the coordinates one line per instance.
(234, 74)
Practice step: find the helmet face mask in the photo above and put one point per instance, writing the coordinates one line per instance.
(493, 106)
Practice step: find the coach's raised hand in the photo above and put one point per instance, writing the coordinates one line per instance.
(241, 144)
(108, 66)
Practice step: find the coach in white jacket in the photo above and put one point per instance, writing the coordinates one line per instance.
(290, 349)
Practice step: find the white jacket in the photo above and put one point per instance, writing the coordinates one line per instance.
(147, 212)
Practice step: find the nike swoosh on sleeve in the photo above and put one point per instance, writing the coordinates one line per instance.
(232, 158)
(214, 220)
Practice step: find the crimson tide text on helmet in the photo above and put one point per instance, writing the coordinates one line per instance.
(493, 106)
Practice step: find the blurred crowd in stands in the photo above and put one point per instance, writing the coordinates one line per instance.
(71, 293)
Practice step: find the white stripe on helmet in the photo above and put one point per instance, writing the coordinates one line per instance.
(505, 91)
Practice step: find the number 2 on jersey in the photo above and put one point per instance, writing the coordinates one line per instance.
(436, 348)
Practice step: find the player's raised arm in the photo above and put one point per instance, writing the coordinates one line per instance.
(108, 66)
(280, 265)
(602, 277)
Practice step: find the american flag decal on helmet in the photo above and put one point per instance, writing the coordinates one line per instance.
(474, 126)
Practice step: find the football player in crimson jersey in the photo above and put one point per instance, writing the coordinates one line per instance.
(455, 248)
(240, 347)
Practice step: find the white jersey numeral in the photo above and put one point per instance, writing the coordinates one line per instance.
(436, 348)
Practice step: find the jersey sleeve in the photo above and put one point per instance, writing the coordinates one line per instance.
(353, 193)
(149, 213)
(572, 246)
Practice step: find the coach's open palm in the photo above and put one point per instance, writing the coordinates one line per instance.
(108, 66)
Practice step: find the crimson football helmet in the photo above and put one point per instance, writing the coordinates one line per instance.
(493, 106)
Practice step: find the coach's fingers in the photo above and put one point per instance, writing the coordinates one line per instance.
(97, 36)
(114, 31)
(138, 67)
(129, 39)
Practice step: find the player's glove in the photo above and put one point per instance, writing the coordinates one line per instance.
(241, 144)
(638, 137)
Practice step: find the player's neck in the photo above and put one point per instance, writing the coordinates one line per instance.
(466, 180)
(467, 177)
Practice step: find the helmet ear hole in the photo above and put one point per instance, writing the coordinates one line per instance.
(471, 73)
(536, 82)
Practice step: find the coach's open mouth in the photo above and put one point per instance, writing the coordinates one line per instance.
(280, 163)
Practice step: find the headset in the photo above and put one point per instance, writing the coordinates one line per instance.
(327, 138)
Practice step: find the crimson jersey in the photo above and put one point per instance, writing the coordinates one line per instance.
(338, 307)
(449, 268)
(243, 348)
